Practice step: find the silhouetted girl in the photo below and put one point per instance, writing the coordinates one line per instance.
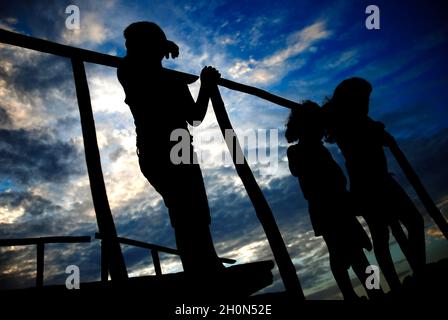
(161, 103)
(381, 200)
(324, 186)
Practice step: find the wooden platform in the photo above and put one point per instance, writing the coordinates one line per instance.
(236, 282)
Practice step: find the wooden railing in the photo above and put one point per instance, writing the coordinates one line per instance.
(153, 248)
(106, 226)
(40, 252)
(110, 241)
(40, 248)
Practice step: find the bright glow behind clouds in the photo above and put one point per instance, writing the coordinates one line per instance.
(297, 50)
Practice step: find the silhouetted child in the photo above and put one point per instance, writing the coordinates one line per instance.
(324, 186)
(160, 104)
(381, 200)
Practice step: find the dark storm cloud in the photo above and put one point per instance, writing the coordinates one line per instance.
(33, 76)
(286, 199)
(50, 72)
(32, 204)
(428, 155)
(147, 224)
(33, 155)
(41, 226)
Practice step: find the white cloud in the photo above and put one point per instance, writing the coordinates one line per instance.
(342, 61)
(92, 31)
(10, 215)
(250, 252)
(107, 94)
(272, 68)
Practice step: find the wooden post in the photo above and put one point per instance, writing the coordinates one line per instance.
(104, 217)
(40, 264)
(104, 264)
(262, 208)
(156, 262)
(416, 183)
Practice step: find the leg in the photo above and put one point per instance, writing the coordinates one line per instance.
(196, 249)
(410, 217)
(360, 264)
(183, 192)
(380, 238)
(191, 219)
(404, 243)
(342, 279)
(339, 268)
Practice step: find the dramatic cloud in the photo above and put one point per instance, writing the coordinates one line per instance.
(25, 203)
(5, 119)
(31, 156)
(297, 50)
(272, 68)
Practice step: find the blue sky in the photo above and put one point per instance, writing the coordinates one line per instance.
(296, 49)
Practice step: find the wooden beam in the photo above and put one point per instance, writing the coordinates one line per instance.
(104, 264)
(151, 246)
(156, 262)
(40, 265)
(106, 226)
(20, 40)
(262, 94)
(32, 241)
(262, 208)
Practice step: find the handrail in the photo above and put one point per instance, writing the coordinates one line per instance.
(31, 241)
(286, 267)
(40, 249)
(112, 258)
(151, 246)
(17, 39)
(154, 248)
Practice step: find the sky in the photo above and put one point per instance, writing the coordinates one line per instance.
(296, 49)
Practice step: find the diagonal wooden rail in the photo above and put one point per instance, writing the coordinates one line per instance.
(261, 206)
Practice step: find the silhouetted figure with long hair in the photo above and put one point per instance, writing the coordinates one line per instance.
(380, 198)
(324, 186)
(160, 104)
